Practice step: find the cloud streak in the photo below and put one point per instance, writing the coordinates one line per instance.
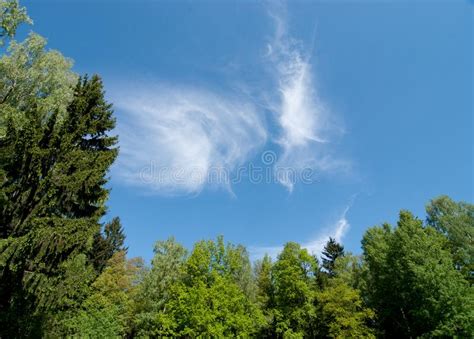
(314, 246)
(184, 133)
(306, 125)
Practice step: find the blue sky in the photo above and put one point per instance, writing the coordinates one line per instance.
(374, 100)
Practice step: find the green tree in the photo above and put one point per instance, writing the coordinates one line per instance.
(352, 270)
(412, 283)
(53, 171)
(341, 312)
(167, 268)
(263, 275)
(34, 83)
(455, 220)
(202, 295)
(11, 16)
(265, 293)
(106, 243)
(294, 287)
(332, 250)
(108, 310)
(216, 308)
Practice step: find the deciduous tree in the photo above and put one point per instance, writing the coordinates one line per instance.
(455, 220)
(294, 286)
(412, 282)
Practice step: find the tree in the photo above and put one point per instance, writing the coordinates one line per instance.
(332, 250)
(352, 270)
(53, 166)
(412, 283)
(34, 83)
(200, 295)
(109, 307)
(265, 293)
(455, 221)
(263, 274)
(107, 243)
(216, 309)
(341, 312)
(294, 286)
(167, 268)
(11, 16)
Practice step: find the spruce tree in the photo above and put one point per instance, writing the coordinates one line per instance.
(107, 243)
(332, 250)
(52, 189)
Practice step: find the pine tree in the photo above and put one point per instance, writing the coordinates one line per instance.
(332, 250)
(53, 176)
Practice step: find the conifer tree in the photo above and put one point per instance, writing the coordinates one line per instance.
(52, 187)
(107, 243)
(332, 250)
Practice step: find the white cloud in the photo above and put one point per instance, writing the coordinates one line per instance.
(314, 246)
(171, 138)
(306, 124)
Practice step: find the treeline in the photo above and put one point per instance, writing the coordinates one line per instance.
(65, 273)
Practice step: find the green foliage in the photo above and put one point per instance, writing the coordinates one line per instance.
(341, 312)
(265, 293)
(213, 309)
(456, 222)
(52, 189)
(167, 269)
(109, 307)
(352, 270)
(294, 288)
(107, 243)
(203, 294)
(332, 250)
(34, 83)
(412, 283)
(11, 16)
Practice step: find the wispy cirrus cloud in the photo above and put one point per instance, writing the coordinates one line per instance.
(172, 137)
(315, 246)
(307, 126)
